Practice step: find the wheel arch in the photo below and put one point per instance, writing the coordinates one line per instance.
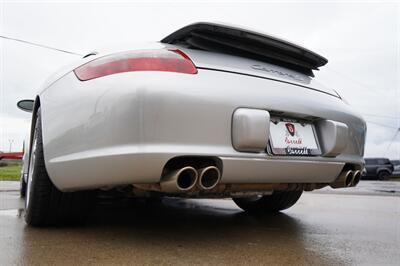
(380, 170)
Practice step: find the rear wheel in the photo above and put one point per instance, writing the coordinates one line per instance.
(383, 175)
(278, 201)
(44, 203)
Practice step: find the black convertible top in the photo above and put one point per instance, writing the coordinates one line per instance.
(245, 43)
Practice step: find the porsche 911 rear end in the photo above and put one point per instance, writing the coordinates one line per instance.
(211, 111)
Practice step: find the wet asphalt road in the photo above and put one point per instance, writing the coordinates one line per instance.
(323, 228)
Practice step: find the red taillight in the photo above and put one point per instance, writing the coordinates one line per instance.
(145, 60)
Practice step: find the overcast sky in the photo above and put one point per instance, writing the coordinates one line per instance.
(361, 41)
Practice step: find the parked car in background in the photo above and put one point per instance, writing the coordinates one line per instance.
(396, 167)
(377, 168)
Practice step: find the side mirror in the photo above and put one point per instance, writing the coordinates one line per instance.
(26, 105)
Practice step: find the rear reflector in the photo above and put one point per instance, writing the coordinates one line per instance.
(144, 60)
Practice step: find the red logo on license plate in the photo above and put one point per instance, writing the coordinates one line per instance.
(290, 128)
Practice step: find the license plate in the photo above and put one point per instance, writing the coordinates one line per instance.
(293, 138)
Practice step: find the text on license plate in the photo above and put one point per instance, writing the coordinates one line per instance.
(292, 138)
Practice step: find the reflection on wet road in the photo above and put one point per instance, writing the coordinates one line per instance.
(321, 229)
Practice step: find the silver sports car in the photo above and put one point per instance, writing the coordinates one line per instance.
(209, 111)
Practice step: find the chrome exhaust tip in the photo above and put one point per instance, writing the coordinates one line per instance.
(345, 179)
(179, 181)
(209, 177)
(356, 178)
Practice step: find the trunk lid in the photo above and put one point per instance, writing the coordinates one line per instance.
(237, 50)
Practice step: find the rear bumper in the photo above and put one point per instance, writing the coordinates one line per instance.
(127, 165)
(279, 170)
(129, 125)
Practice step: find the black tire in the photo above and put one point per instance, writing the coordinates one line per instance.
(44, 203)
(22, 187)
(383, 175)
(278, 201)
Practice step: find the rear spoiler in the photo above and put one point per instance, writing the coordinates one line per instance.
(245, 43)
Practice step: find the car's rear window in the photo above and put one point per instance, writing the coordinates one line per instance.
(383, 161)
(370, 161)
(379, 161)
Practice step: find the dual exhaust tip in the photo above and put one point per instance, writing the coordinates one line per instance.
(186, 178)
(347, 178)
